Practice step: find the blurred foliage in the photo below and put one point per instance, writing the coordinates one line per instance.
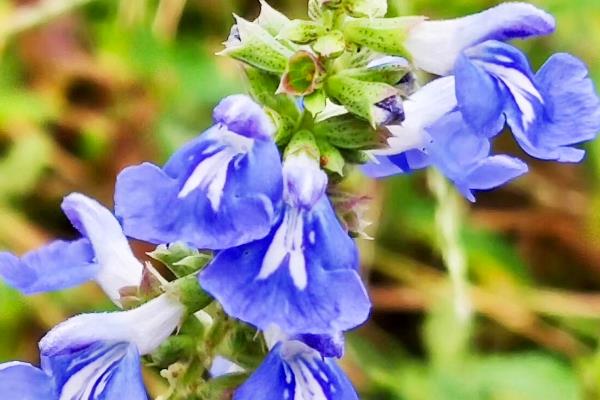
(91, 86)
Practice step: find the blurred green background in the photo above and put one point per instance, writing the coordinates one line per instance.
(90, 86)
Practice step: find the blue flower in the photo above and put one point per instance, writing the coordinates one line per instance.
(94, 356)
(220, 190)
(436, 45)
(436, 134)
(102, 254)
(548, 112)
(293, 370)
(303, 275)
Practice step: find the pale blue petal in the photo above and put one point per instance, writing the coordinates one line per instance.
(21, 381)
(436, 45)
(56, 266)
(242, 115)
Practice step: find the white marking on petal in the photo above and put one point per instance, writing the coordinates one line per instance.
(90, 380)
(210, 175)
(288, 242)
(521, 88)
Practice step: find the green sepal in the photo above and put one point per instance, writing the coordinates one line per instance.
(281, 107)
(331, 159)
(366, 8)
(315, 102)
(302, 76)
(384, 35)
(255, 46)
(174, 349)
(244, 346)
(180, 259)
(359, 97)
(301, 31)
(330, 45)
(348, 132)
(270, 19)
(188, 292)
(355, 156)
(303, 142)
(391, 74)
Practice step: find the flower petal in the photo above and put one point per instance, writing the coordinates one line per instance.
(118, 266)
(310, 287)
(25, 382)
(436, 45)
(294, 371)
(56, 266)
(212, 193)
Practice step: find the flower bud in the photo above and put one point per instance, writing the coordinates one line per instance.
(253, 45)
(375, 102)
(270, 19)
(300, 31)
(366, 8)
(302, 75)
(386, 36)
(330, 45)
(331, 158)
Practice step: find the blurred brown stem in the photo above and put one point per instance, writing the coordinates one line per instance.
(167, 18)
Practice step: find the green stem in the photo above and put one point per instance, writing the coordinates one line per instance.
(448, 219)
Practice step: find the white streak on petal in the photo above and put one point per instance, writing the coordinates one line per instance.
(210, 175)
(287, 243)
(521, 88)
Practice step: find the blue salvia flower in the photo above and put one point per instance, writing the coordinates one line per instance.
(436, 45)
(303, 275)
(102, 254)
(220, 190)
(94, 356)
(435, 134)
(548, 112)
(295, 371)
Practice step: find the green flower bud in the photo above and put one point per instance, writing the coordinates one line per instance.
(270, 19)
(331, 159)
(180, 259)
(302, 75)
(303, 142)
(376, 102)
(384, 35)
(300, 31)
(330, 45)
(366, 8)
(347, 132)
(253, 45)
